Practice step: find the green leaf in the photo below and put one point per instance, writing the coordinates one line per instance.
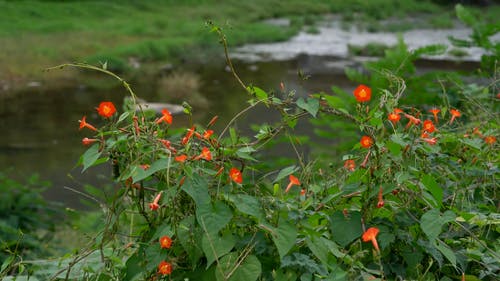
(123, 116)
(216, 247)
(90, 156)
(464, 15)
(432, 221)
(247, 204)
(432, 50)
(285, 172)
(139, 173)
(431, 185)
(234, 135)
(213, 217)
(197, 188)
(310, 105)
(318, 249)
(345, 229)
(230, 269)
(447, 252)
(258, 92)
(284, 237)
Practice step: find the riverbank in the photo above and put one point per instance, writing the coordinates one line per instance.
(143, 37)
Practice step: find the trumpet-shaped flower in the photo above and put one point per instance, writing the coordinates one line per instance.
(412, 120)
(165, 242)
(363, 93)
(380, 202)
(166, 117)
(236, 175)
(490, 140)
(366, 141)
(435, 112)
(428, 126)
(181, 158)
(188, 136)
(205, 154)
(165, 268)
(454, 114)
(106, 109)
(293, 181)
(371, 235)
(350, 165)
(207, 134)
(87, 141)
(84, 124)
(154, 205)
(394, 117)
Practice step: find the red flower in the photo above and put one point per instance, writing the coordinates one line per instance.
(236, 175)
(84, 124)
(166, 117)
(366, 141)
(303, 192)
(293, 181)
(398, 111)
(431, 141)
(412, 120)
(371, 235)
(188, 136)
(154, 205)
(212, 122)
(350, 165)
(164, 268)
(362, 93)
(205, 154)
(429, 126)
(145, 166)
(87, 141)
(490, 140)
(454, 114)
(394, 117)
(380, 202)
(181, 158)
(106, 109)
(207, 134)
(435, 112)
(165, 242)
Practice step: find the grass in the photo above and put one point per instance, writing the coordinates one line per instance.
(38, 34)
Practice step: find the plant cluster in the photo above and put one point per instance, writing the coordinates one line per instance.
(415, 198)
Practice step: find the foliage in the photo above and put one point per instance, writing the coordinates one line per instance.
(26, 219)
(419, 186)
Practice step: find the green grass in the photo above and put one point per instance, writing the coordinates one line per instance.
(38, 34)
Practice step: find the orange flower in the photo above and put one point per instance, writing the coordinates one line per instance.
(84, 124)
(366, 141)
(363, 93)
(454, 114)
(431, 141)
(136, 125)
(303, 192)
(393, 117)
(154, 205)
(207, 134)
(165, 242)
(145, 166)
(350, 165)
(106, 109)
(380, 202)
(181, 158)
(371, 235)
(235, 175)
(212, 121)
(205, 154)
(490, 140)
(435, 112)
(398, 111)
(188, 136)
(429, 126)
(166, 117)
(412, 120)
(87, 141)
(293, 181)
(164, 268)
